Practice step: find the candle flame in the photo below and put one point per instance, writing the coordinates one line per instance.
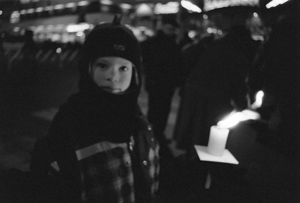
(235, 117)
(258, 100)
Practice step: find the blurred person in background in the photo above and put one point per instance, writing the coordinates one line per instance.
(281, 76)
(29, 51)
(3, 61)
(163, 67)
(216, 86)
(192, 53)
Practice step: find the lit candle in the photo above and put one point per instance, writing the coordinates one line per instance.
(217, 140)
(258, 100)
(219, 134)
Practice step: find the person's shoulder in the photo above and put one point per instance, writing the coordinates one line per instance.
(71, 106)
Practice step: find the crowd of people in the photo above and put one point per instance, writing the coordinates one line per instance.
(105, 149)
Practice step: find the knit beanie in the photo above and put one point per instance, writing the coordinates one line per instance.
(111, 39)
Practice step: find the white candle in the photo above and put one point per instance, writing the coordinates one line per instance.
(217, 140)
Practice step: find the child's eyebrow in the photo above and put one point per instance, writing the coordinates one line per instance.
(102, 61)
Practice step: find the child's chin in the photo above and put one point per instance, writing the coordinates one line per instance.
(113, 91)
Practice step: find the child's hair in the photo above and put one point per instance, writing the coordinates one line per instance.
(110, 39)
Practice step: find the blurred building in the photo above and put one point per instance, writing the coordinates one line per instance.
(67, 21)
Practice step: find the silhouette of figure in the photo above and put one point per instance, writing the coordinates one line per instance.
(163, 65)
(282, 78)
(3, 61)
(29, 51)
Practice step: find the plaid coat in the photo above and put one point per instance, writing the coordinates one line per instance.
(103, 171)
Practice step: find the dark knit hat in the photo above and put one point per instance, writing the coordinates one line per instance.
(110, 39)
(113, 39)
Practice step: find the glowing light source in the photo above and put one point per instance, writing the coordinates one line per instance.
(59, 6)
(15, 17)
(143, 10)
(219, 134)
(31, 10)
(275, 3)
(39, 9)
(77, 27)
(70, 5)
(58, 50)
(258, 100)
(190, 6)
(214, 4)
(15, 14)
(106, 2)
(48, 8)
(125, 6)
(170, 7)
(235, 117)
(83, 3)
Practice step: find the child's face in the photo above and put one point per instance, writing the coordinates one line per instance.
(112, 74)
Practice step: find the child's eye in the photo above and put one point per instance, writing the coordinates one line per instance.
(101, 65)
(124, 68)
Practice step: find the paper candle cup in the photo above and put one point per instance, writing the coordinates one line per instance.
(217, 140)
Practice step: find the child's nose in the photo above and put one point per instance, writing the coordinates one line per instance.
(113, 76)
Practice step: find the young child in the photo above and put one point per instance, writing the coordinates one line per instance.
(99, 141)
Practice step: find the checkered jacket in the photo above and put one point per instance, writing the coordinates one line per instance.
(104, 171)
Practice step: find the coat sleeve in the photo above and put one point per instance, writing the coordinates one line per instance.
(56, 149)
(147, 168)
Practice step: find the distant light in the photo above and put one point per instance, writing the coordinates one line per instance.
(59, 6)
(125, 6)
(70, 5)
(105, 8)
(190, 6)
(77, 27)
(39, 9)
(255, 15)
(275, 3)
(31, 10)
(168, 8)
(48, 8)
(214, 4)
(39, 28)
(106, 2)
(50, 27)
(24, 1)
(58, 50)
(15, 14)
(192, 34)
(83, 3)
(143, 10)
(16, 29)
(212, 30)
(59, 27)
(80, 34)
